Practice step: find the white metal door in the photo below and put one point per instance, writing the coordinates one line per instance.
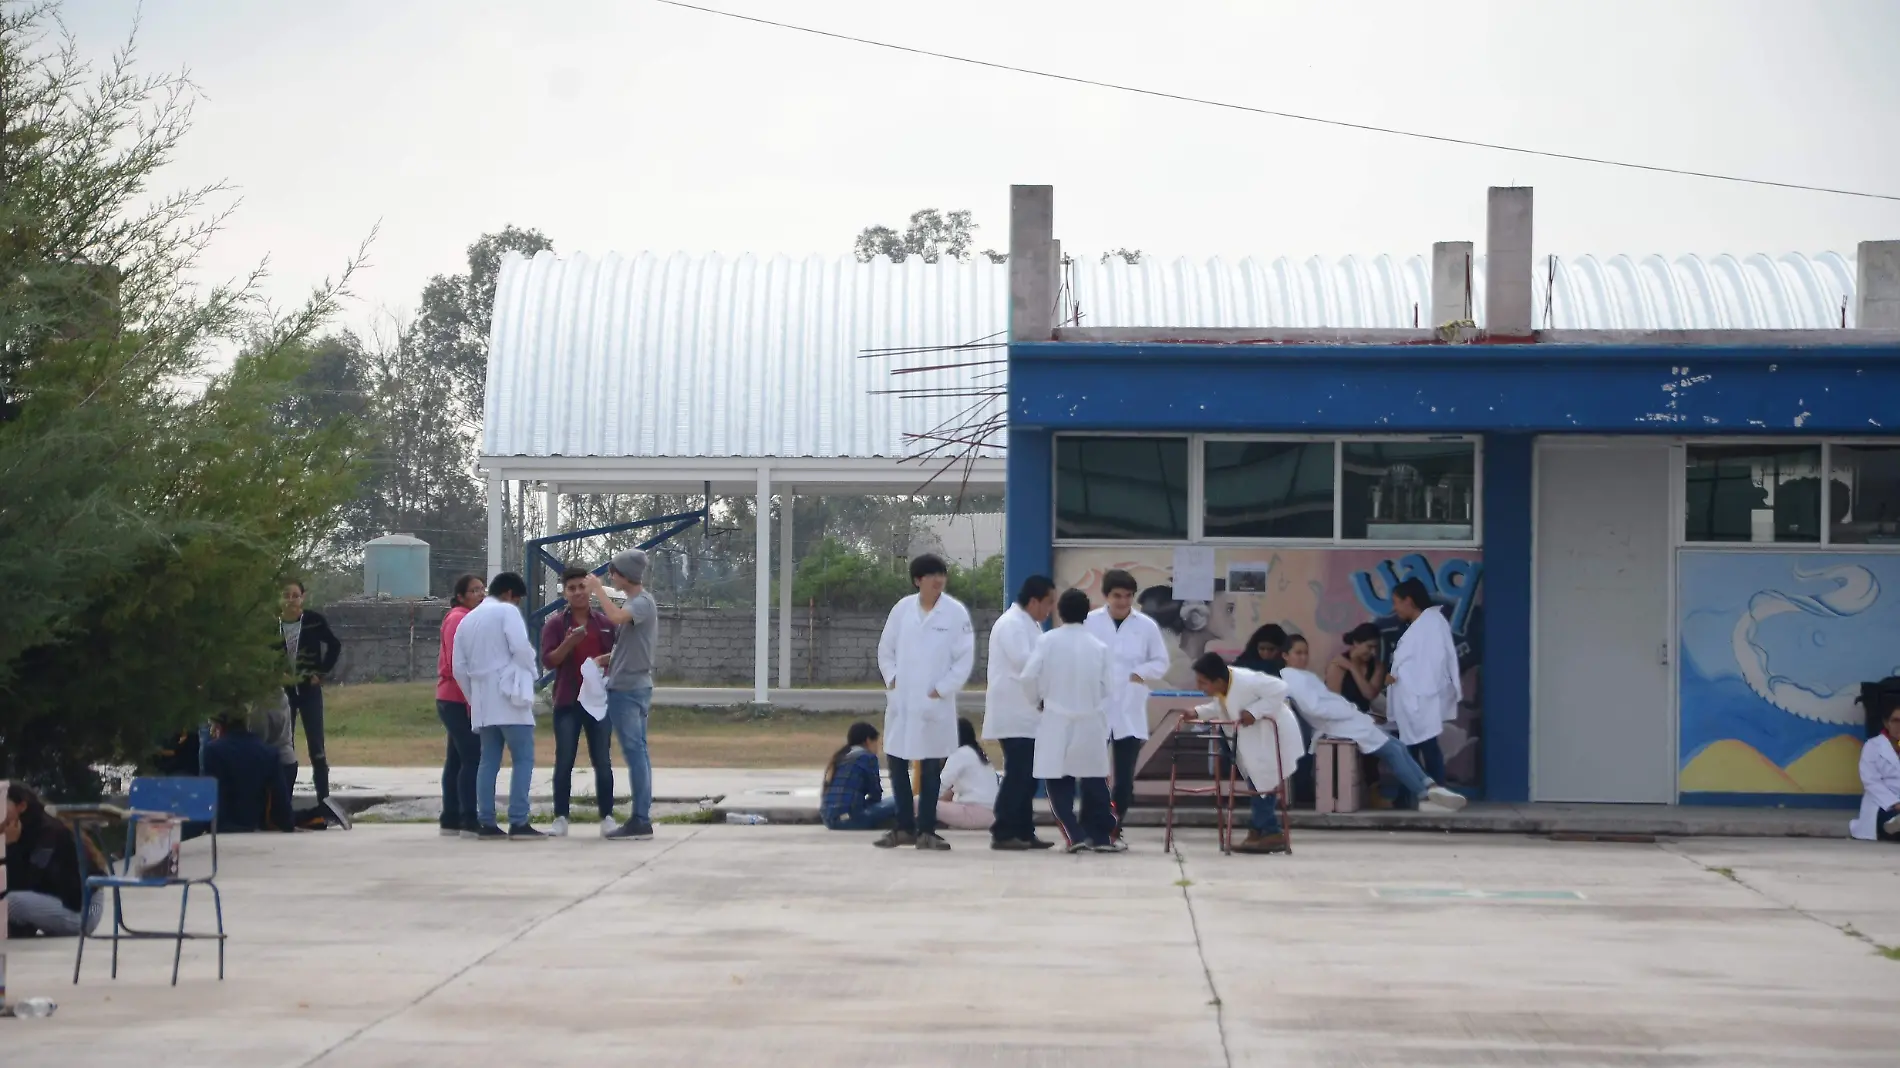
(1602, 725)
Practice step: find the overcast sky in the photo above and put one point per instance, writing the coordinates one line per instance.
(624, 125)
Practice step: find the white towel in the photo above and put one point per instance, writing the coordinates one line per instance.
(593, 689)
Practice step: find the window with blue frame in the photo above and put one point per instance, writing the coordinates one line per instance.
(1122, 488)
(1267, 489)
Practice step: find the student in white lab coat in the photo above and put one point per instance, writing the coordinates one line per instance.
(1010, 717)
(1267, 740)
(1332, 716)
(1141, 657)
(925, 656)
(1425, 683)
(1879, 818)
(494, 665)
(1073, 676)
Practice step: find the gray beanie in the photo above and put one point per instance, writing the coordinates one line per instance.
(632, 563)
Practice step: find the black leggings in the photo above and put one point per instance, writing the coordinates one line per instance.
(306, 701)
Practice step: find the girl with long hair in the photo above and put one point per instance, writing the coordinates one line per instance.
(968, 800)
(854, 796)
(464, 753)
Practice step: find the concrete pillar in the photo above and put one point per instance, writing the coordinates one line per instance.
(785, 568)
(497, 504)
(762, 594)
(1033, 264)
(1507, 263)
(1028, 508)
(1452, 301)
(1877, 285)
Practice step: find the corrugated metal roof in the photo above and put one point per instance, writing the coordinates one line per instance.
(690, 356)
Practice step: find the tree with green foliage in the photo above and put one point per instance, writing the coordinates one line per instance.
(155, 496)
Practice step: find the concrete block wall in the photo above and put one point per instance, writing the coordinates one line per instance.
(397, 641)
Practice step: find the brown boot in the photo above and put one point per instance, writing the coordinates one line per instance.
(1263, 843)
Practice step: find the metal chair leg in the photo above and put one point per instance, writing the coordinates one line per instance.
(178, 946)
(1167, 839)
(85, 909)
(217, 901)
(118, 924)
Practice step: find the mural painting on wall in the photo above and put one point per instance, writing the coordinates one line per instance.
(1317, 593)
(1774, 649)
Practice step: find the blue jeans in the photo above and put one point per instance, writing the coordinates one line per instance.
(464, 756)
(627, 710)
(519, 737)
(570, 722)
(1410, 778)
(1266, 814)
(869, 818)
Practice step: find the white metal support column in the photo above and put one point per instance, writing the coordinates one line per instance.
(550, 526)
(497, 504)
(785, 566)
(762, 593)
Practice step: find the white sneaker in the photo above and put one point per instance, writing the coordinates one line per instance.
(608, 825)
(559, 830)
(1892, 826)
(1444, 798)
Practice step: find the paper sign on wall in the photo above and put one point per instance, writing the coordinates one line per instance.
(1194, 573)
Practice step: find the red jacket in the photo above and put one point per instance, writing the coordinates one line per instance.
(445, 687)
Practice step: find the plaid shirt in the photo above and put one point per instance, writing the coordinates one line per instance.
(854, 786)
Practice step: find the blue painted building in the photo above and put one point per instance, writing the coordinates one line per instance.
(1670, 558)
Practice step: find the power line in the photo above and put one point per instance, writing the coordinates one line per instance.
(1295, 116)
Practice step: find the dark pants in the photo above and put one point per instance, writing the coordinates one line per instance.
(570, 722)
(1301, 781)
(306, 701)
(1432, 758)
(1016, 797)
(1097, 825)
(1125, 752)
(1266, 815)
(925, 821)
(458, 767)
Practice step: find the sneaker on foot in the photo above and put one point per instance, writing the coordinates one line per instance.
(1438, 795)
(449, 832)
(559, 829)
(1113, 845)
(471, 832)
(1076, 847)
(932, 841)
(631, 831)
(1892, 826)
(491, 833)
(521, 832)
(608, 825)
(1014, 845)
(1040, 843)
(337, 812)
(892, 839)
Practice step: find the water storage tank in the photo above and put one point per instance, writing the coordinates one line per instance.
(396, 565)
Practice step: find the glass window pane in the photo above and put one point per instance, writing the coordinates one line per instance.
(1122, 488)
(1754, 493)
(1268, 489)
(1409, 490)
(1865, 496)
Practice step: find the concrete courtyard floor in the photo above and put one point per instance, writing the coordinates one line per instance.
(789, 946)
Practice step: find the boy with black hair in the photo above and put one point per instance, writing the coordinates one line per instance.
(1141, 656)
(253, 791)
(494, 664)
(569, 639)
(1265, 741)
(1074, 677)
(925, 655)
(1010, 716)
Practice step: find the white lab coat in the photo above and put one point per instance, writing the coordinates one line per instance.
(921, 652)
(1074, 676)
(1880, 781)
(1265, 697)
(1426, 687)
(494, 664)
(1331, 715)
(1009, 706)
(1138, 650)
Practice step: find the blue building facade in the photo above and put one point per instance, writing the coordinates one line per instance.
(1669, 566)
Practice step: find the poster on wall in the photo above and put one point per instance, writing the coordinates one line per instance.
(1774, 648)
(1319, 594)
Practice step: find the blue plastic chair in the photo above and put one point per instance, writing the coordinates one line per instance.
(194, 800)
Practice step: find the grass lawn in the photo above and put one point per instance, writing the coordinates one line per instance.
(394, 725)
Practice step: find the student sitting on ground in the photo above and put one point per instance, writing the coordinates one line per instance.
(854, 797)
(45, 875)
(253, 791)
(968, 802)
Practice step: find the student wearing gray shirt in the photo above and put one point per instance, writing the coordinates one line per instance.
(629, 669)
